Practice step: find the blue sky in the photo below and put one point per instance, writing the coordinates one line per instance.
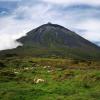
(17, 17)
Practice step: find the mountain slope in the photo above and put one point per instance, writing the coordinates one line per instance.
(49, 35)
(52, 40)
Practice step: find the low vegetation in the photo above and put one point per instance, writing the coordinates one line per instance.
(49, 79)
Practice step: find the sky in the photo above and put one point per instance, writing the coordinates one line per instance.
(17, 17)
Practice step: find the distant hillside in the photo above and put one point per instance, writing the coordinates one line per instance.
(52, 40)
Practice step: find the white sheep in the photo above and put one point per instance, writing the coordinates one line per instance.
(16, 72)
(26, 68)
(38, 80)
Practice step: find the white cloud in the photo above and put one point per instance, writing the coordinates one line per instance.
(10, 30)
(92, 28)
(71, 2)
(7, 42)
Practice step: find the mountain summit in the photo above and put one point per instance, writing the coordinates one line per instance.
(52, 40)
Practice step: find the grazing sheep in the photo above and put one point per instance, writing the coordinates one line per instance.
(46, 66)
(26, 68)
(38, 80)
(16, 72)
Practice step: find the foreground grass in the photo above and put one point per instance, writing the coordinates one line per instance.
(18, 80)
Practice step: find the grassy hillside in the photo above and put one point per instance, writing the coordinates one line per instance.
(68, 53)
(49, 79)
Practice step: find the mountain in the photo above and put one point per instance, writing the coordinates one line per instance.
(52, 40)
(52, 35)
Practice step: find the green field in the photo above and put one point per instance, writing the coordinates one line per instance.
(49, 79)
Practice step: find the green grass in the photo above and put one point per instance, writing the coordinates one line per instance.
(60, 81)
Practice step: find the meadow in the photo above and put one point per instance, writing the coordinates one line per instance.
(49, 79)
